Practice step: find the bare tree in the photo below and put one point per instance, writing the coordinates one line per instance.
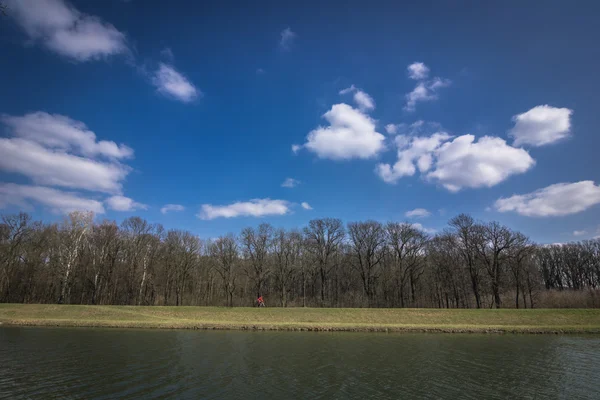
(406, 244)
(492, 244)
(368, 249)
(323, 239)
(72, 234)
(464, 228)
(224, 251)
(257, 244)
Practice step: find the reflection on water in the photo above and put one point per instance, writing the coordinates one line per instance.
(109, 364)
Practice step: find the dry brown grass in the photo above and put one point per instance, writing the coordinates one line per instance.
(332, 319)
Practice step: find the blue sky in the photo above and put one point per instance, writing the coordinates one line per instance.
(125, 107)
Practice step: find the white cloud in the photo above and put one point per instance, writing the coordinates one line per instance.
(287, 38)
(351, 134)
(63, 133)
(579, 233)
(485, 163)
(252, 208)
(364, 101)
(306, 206)
(424, 90)
(171, 207)
(296, 148)
(541, 125)
(56, 150)
(418, 71)
(554, 200)
(57, 168)
(58, 201)
(350, 89)
(290, 183)
(66, 31)
(173, 84)
(122, 203)
(393, 129)
(417, 213)
(422, 228)
(456, 164)
(411, 150)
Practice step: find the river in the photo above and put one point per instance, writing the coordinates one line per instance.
(81, 363)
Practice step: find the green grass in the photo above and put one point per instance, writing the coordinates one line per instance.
(317, 319)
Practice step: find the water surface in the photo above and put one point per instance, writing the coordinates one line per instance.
(82, 363)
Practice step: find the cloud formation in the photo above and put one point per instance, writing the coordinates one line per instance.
(171, 207)
(287, 39)
(57, 201)
(541, 125)
(290, 183)
(122, 203)
(362, 99)
(350, 134)
(458, 163)
(306, 206)
(63, 133)
(173, 84)
(64, 30)
(554, 200)
(252, 208)
(418, 71)
(55, 150)
(418, 213)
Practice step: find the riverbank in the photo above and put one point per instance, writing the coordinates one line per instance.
(306, 319)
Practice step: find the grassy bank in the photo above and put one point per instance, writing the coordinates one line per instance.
(312, 319)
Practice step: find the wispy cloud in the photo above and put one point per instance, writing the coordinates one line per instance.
(287, 39)
(58, 201)
(173, 84)
(290, 183)
(63, 29)
(417, 213)
(306, 206)
(171, 207)
(252, 208)
(122, 203)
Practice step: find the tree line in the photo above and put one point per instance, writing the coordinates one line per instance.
(470, 264)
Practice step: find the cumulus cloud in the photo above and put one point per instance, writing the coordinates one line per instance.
(122, 203)
(418, 71)
(173, 84)
(466, 163)
(364, 101)
(296, 148)
(66, 31)
(351, 134)
(63, 133)
(57, 201)
(287, 39)
(171, 207)
(460, 163)
(579, 233)
(290, 183)
(554, 200)
(56, 168)
(306, 206)
(541, 125)
(411, 151)
(55, 150)
(417, 213)
(425, 91)
(252, 208)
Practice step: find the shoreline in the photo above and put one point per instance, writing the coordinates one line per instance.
(528, 321)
